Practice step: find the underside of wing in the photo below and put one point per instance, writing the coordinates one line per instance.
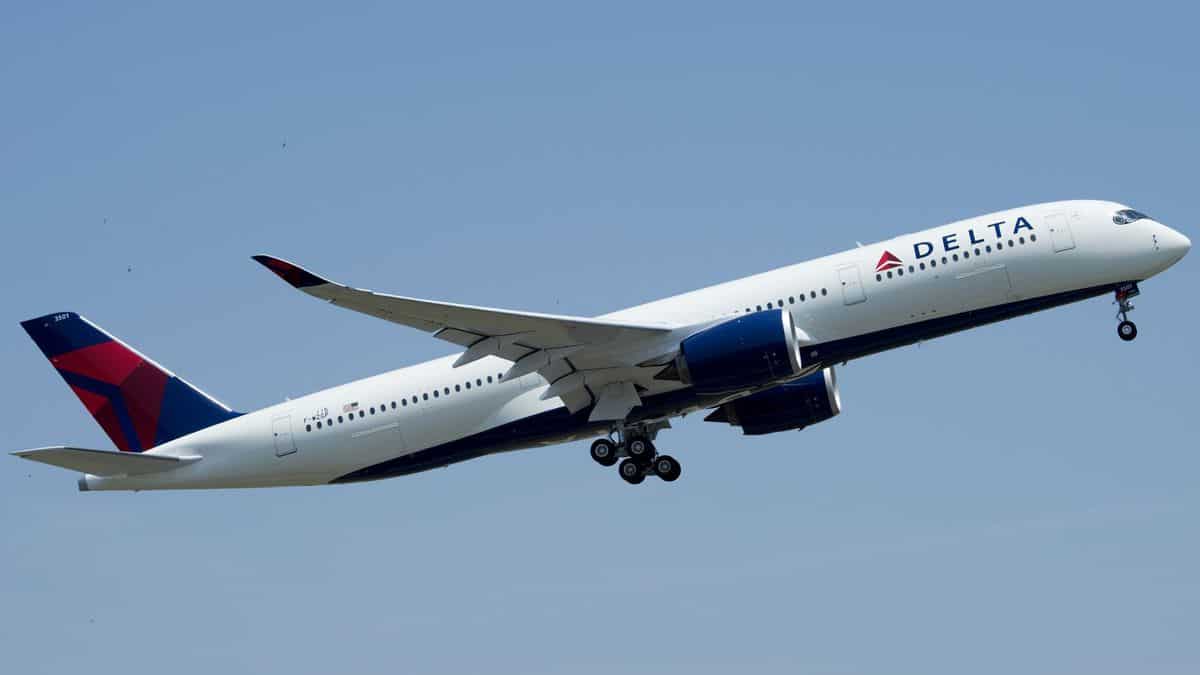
(579, 357)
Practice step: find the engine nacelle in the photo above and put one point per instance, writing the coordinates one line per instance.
(742, 353)
(792, 405)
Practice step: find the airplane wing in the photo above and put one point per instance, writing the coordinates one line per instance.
(584, 360)
(103, 462)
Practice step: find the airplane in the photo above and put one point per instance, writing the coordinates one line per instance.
(758, 353)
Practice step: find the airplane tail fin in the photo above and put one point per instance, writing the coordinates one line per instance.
(137, 402)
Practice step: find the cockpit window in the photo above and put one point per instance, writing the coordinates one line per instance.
(1126, 216)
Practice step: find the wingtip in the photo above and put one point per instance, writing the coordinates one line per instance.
(292, 273)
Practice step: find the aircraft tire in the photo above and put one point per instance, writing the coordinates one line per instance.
(641, 449)
(1127, 330)
(667, 468)
(631, 472)
(604, 452)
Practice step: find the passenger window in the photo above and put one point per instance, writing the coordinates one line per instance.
(1010, 243)
(988, 248)
(825, 291)
(489, 379)
(457, 388)
(812, 295)
(1033, 237)
(889, 274)
(878, 277)
(945, 261)
(1022, 240)
(446, 391)
(768, 305)
(900, 272)
(966, 255)
(922, 267)
(308, 427)
(758, 308)
(339, 419)
(791, 299)
(425, 396)
(435, 393)
(999, 246)
(933, 263)
(977, 253)
(318, 424)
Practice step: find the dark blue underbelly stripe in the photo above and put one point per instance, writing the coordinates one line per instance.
(560, 425)
(847, 349)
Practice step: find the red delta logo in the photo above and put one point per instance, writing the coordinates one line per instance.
(888, 261)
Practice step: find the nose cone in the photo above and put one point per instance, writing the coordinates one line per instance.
(1175, 244)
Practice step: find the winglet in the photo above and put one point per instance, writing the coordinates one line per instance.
(293, 274)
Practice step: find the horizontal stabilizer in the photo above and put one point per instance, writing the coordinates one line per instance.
(104, 462)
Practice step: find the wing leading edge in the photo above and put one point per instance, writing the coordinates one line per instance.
(578, 356)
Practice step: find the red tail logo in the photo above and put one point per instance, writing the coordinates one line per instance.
(887, 261)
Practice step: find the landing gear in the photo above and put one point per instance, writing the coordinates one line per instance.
(632, 472)
(641, 449)
(604, 452)
(641, 458)
(1127, 330)
(667, 468)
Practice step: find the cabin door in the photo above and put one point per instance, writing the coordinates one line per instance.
(852, 289)
(1060, 232)
(281, 427)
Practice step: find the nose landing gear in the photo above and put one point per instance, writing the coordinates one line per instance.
(1127, 330)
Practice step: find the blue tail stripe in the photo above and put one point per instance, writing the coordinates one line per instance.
(113, 394)
(185, 410)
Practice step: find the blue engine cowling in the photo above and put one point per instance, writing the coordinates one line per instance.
(743, 353)
(792, 405)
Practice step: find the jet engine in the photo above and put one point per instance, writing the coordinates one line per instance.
(792, 405)
(742, 353)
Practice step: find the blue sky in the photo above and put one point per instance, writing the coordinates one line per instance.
(1019, 498)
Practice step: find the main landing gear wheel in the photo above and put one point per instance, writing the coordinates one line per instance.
(604, 452)
(667, 468)
(641, 450)
(1127, 330)
(632, 472)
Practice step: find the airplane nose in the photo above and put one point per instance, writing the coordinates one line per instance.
(1177, 244)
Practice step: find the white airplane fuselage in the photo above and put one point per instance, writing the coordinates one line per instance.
(928, 284)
